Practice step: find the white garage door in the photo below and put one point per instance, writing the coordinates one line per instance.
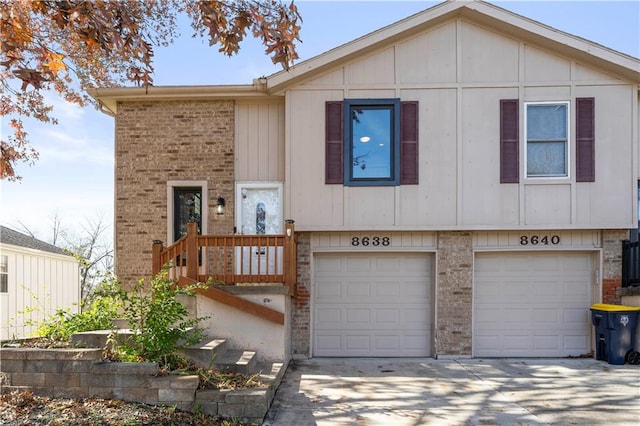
(532, 305)
(372, 305)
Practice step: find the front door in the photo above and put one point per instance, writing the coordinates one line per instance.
(259, 212)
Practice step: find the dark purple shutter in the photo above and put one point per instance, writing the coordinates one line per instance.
(585, 140)
(509, 141)
(333, 143)
(409, 143)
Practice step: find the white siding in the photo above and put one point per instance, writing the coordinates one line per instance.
(39, 284)
(458, 72)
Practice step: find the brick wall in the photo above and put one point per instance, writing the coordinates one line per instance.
(161, 141)
(301, 313)
(612, 264)
(454, 293)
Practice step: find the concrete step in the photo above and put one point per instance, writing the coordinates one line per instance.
(99, 338)
(205, 353)
(237, 361)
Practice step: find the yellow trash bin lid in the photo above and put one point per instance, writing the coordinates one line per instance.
(613, 308)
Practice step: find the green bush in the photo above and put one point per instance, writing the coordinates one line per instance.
(98, 315)
(160, 323)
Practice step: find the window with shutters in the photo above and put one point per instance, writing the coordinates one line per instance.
(547, 145)
(371, 142)
(547, 139)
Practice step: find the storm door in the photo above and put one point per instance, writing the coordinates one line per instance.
(259, 212)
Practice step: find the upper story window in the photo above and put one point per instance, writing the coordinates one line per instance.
(371, 142)
(372, 151)
(547, 140)
(547, 133)
(4, 274)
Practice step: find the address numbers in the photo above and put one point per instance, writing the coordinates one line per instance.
(374, 241)
(536, 240)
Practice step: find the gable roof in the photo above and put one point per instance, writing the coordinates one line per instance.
(15, 238)
(476, 11)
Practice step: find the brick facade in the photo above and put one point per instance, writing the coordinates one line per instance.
(454, 293)
(612, 264)
(301, 313)
(157, 142)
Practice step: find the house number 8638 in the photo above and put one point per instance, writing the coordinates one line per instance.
(370, 241)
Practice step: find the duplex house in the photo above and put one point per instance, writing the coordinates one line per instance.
(36, 280)
(460, 183)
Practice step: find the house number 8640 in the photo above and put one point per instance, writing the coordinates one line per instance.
(370, 241)
(535, 240)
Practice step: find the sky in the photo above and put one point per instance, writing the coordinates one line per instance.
(73, 179)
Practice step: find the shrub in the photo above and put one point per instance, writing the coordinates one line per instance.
(159, 322)
(98, 315)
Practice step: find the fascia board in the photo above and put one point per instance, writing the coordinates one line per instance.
(518, 26)
(540, 34)
(109, 97)
(280, 80)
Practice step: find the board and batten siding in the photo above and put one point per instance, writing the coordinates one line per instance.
(259, 141)
(39, 284)
(458, 73)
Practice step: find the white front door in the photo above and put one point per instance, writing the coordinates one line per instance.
(259, 212)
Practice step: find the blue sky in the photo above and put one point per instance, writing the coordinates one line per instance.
(74, 176)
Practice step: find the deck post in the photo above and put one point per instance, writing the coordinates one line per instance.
(156, 263)
(290, 257)
(192, 250)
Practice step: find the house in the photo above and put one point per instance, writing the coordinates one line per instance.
(36, 280)
(460, 183)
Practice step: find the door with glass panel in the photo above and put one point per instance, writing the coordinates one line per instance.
(259, 212)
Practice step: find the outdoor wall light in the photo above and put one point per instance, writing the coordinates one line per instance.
(220, 206)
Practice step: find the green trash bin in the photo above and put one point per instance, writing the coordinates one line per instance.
(615, 327)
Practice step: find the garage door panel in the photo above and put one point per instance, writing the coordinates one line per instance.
(358, 264)
(358, 342)
(358, 317)
(545, 343)
(357, 289)
(383, 307)
(384, 289)
(576, 342)
(387, 265)
(329, 291)
(542, 312)
(328, 317)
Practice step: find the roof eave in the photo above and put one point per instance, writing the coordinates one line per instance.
(623, 66)
(110, 97)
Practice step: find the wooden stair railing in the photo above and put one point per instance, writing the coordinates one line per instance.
(232, 259)
(222, 296)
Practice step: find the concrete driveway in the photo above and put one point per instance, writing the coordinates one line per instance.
(397, 392)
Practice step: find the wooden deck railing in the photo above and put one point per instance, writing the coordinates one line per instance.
(231, 259)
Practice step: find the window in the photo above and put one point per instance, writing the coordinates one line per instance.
(372, 133)
(547, 136)
(371, 142)
(547, 147)
(4, 274)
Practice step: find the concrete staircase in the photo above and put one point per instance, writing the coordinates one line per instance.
(249, 405)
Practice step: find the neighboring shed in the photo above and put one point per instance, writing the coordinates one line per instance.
(36, 279)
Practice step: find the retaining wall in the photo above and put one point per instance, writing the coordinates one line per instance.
(82, 373)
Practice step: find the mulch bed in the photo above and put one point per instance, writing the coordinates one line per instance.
(20, 408)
